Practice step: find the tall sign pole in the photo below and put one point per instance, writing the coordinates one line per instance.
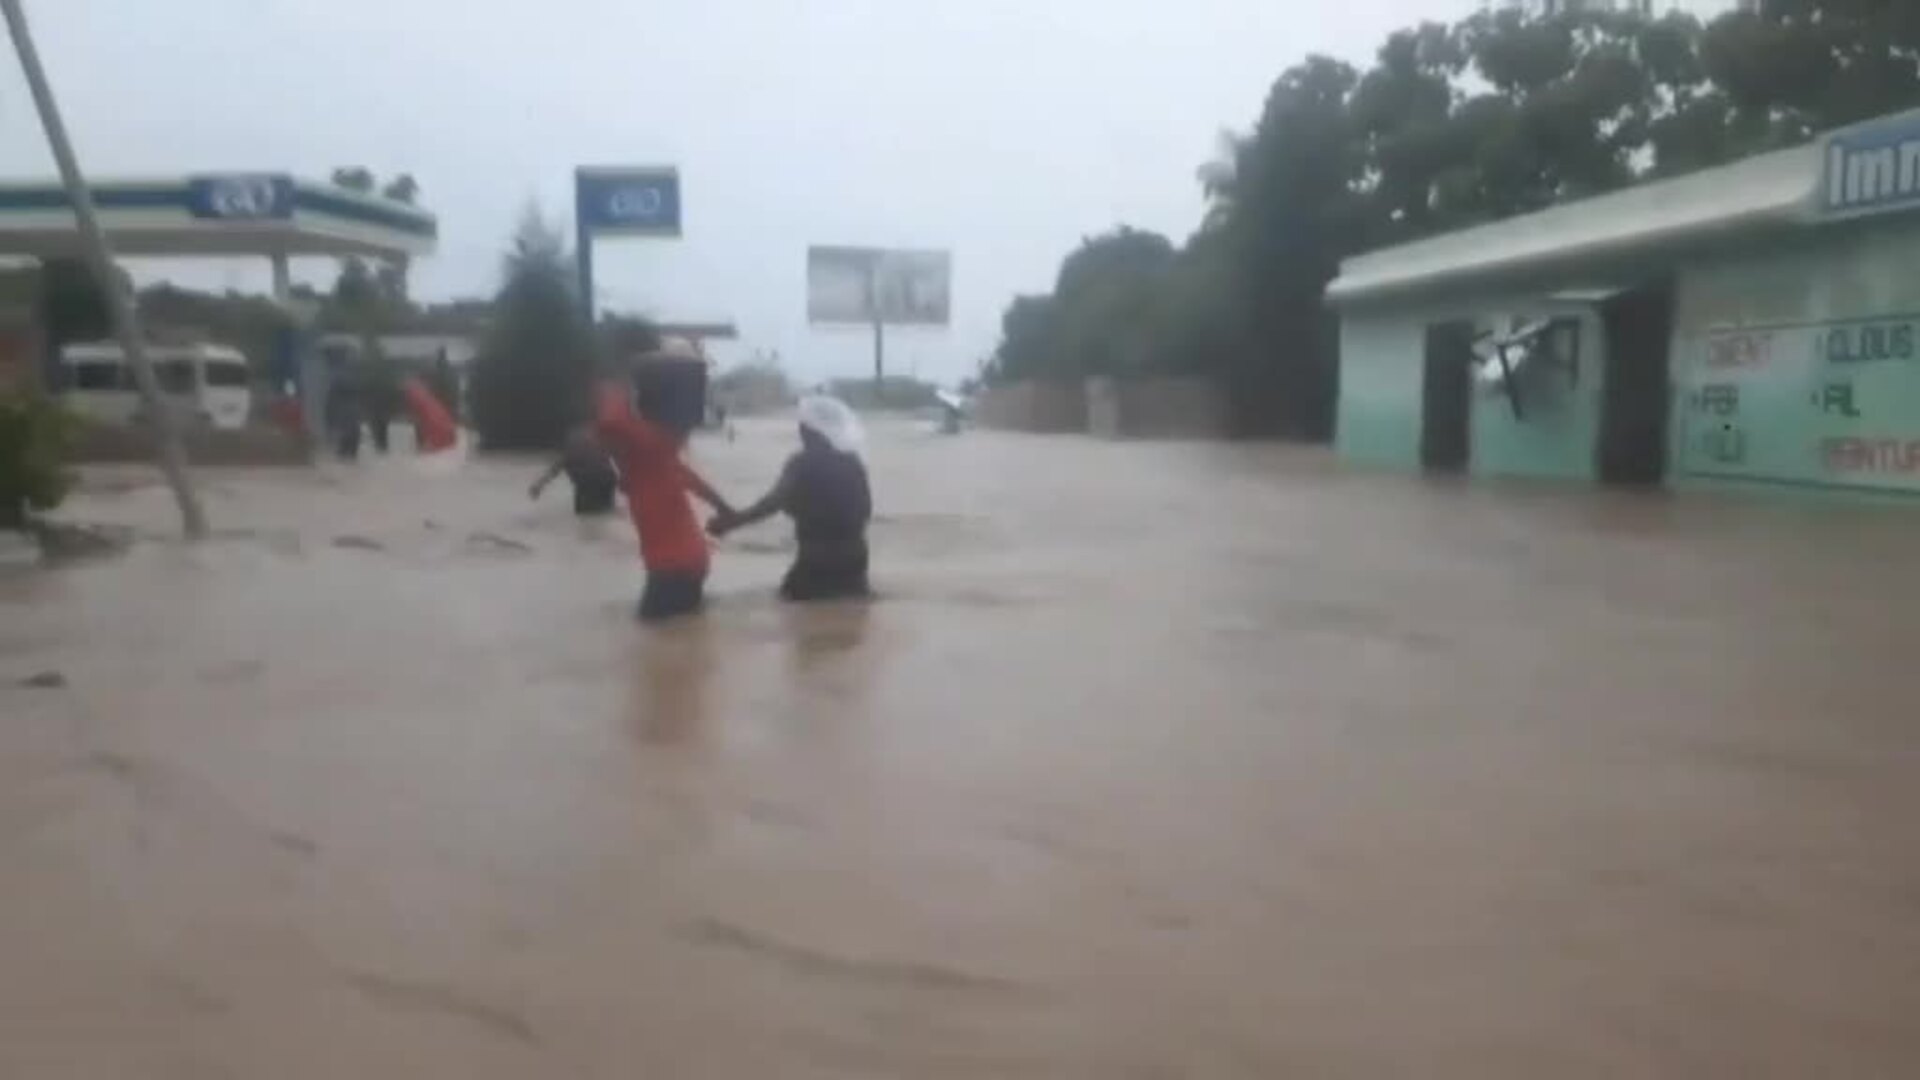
(620, 200)
(583, 256)
(879, 332)
(126, 322)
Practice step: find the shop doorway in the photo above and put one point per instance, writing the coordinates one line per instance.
(1635, 388)
(1447, 398)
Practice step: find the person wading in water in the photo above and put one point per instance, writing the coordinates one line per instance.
(658, 484)
(589, 469)
(823, 488)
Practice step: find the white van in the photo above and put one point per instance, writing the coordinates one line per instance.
(208, 384)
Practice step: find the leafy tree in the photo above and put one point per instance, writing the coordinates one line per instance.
(1102, 317)
(370, 293)
(1297, 208)
(1105, 301)
(1401, 112)
(533, 372)
(1780, 74)
(390, 277)
(1026, 341)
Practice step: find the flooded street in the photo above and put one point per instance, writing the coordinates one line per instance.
(1152, 761)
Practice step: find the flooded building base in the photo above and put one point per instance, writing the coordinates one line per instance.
(1175, 759)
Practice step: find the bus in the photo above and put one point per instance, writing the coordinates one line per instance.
(205, 383)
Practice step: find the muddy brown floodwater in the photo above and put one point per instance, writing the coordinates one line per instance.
(1154, 761)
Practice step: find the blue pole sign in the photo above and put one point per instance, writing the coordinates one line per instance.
(620, 201)
(633, 202)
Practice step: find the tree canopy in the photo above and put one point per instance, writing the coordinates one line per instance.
(533, 372)
(1450, 126)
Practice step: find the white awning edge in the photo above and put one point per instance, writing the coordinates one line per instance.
(1777, 187)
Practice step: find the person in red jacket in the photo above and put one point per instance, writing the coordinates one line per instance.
(658, 482)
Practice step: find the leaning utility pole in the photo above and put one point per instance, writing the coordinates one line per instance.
(126, 322)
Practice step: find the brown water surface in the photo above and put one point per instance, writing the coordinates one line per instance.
(1152, 761)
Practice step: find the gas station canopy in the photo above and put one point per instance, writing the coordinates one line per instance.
(231, 214)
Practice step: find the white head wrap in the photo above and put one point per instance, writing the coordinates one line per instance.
(832, 420)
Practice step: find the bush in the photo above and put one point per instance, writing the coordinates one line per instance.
(36, 436)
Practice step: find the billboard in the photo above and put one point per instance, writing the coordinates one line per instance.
(865, 286)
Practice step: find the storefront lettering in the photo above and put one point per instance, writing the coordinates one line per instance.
(1739, 350)
(1727, 445)
(1855, 455)
(1837, 398)
(1719, 399)
(1873, 170)
(1873, 341)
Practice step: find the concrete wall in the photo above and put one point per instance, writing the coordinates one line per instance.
(1045, 407)
(1165, 408)
(1799, 364)
(1382, 374)
(1110, 408)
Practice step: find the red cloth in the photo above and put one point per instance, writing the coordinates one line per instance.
(657, 483)
(432, 423)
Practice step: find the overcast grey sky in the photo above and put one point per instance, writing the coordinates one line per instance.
(1004, 130)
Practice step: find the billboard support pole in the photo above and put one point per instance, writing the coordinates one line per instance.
(120, 307)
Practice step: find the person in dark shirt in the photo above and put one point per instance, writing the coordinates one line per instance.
(589, 468)
(343, 413)
(823, 488)
(380, 404)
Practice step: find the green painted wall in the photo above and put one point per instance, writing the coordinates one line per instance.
(1800, 365)
(1382, 358)
(1378, 419)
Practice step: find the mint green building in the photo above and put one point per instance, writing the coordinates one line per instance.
(1752, 325)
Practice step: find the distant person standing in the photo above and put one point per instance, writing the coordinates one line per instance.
(343, 413)
(824, 489)
(589, 468)
(382, 404)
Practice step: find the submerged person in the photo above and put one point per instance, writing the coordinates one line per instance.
(823, 488)
(589, 469)
(658, 485)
